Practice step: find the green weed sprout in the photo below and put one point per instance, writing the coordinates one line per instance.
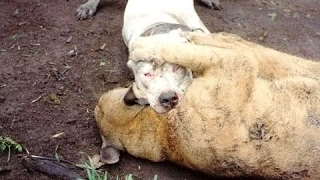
(92, 173)
(8, 144)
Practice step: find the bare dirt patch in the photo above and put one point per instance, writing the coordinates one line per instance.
(37, 35)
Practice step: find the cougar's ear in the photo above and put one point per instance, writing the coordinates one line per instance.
(130, 98)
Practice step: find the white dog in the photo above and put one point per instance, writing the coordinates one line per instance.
(160, 85)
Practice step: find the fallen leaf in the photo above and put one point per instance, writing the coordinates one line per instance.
(72, 53)
(54, 99)
(57, 135)
(69, 39)
(103, 46)
(262, 38)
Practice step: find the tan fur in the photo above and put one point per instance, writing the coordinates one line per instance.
(251, 111)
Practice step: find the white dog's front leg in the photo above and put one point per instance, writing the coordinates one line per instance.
(213, 4)
(87, 9)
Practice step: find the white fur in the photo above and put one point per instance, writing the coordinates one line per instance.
(143, 14)
(90, 7)
(139, 16)
(167, 77)
(87, 9)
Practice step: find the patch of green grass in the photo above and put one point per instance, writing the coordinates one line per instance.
(272, 15)
(15, 37)
(8, 144)
(94, 174)
(91, 172)
(102, 62)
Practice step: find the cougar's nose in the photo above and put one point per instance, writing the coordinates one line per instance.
(169, 99)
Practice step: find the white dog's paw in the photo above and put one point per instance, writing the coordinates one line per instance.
(213, 4)
(87, 9)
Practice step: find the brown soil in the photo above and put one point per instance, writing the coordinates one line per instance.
(36, 35)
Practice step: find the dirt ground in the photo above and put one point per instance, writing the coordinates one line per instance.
(37, 71)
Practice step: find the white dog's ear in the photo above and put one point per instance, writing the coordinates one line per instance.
(131, 64)
(131, 99)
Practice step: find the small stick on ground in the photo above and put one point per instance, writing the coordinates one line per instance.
(38, 98)
(52, 169)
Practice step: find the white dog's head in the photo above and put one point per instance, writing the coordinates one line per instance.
(162, 86)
